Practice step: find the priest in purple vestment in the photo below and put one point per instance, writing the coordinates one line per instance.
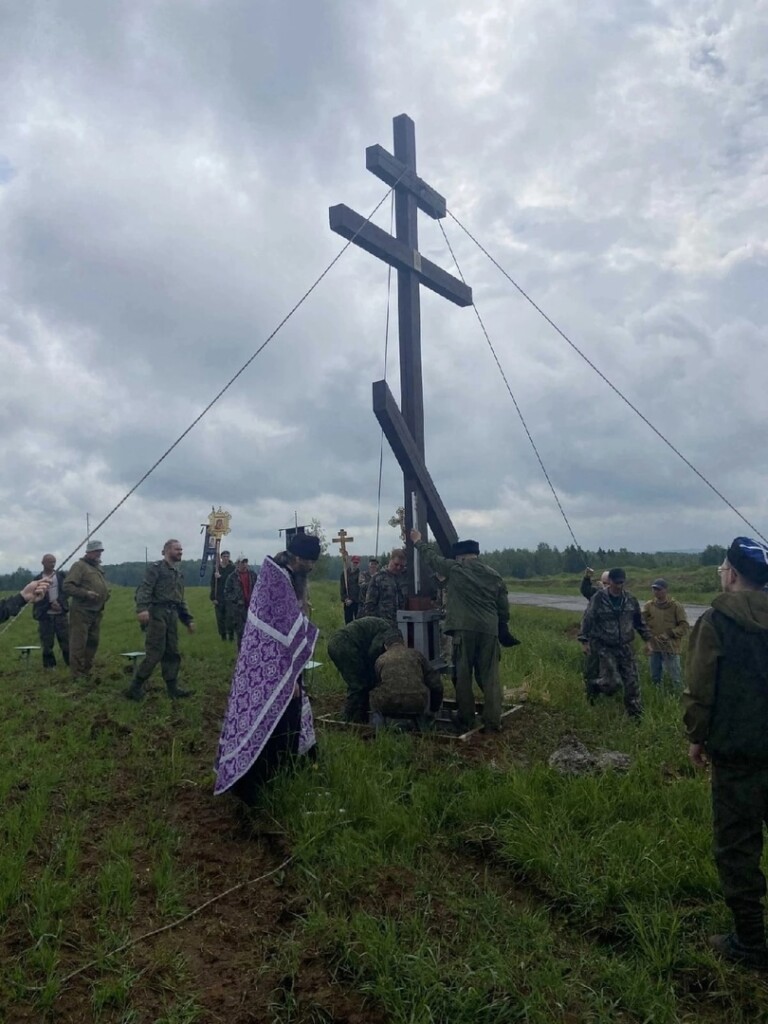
(269, 718)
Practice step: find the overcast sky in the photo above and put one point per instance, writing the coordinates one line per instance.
(166, 168)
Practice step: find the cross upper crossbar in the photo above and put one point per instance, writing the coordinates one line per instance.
(394, 172)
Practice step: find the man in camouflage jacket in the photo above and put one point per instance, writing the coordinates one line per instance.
(609, 626)
(406, 684)
(354, 650)
(159, 606)
(387, 593)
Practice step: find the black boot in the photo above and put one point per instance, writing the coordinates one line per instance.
(174, 690)
(135, 690)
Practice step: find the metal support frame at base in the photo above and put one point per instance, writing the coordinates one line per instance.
(448, 705)
(421, 630)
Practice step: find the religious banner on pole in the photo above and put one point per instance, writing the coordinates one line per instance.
(216, 528)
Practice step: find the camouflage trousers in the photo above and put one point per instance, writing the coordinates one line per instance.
(477, 654)
(358, 677)
(739, 812)
(84, 630)
(618, 670)
(161, 645)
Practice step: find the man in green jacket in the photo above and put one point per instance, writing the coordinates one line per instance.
(668, 623)
(354, 650)
(159, 606)
(726, 717)
(87, 590)
(477, 616)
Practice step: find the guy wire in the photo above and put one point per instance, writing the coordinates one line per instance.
(517, 407)
(228, 384)
(603, 377)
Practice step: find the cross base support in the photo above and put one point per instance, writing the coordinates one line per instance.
(421, 629)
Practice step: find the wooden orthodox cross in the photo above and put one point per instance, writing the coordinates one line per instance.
(341, 540)
(405, 429)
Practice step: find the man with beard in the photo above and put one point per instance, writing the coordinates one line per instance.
(269, 719)
(160, 605)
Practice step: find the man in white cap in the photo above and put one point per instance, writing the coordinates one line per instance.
(87, 590)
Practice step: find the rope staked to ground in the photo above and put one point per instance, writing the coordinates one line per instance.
(226, 386)
(605, 379)
(517, 407)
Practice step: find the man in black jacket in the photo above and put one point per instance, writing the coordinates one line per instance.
(50, 613)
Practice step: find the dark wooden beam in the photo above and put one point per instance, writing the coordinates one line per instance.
(412, 464)
(387, 167)
(351, 225)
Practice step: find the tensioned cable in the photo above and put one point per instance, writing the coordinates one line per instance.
(231, 380)
(603, 377)
(514, 400)
(386, 352)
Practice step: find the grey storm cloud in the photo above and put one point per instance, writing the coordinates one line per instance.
(165, 175)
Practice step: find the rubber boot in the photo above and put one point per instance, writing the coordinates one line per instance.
(135, 691)
(174, 690)
(746, 944)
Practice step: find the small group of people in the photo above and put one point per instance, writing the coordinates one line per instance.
(68, 608)
(725, 710)
(376, 592)
(231, 588)
(268, 714)
(607, 635)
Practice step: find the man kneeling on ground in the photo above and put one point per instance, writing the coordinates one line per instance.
(354, 650)
(406, 685)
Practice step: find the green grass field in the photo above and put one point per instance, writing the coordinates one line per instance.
(425, 882)
(691, 586)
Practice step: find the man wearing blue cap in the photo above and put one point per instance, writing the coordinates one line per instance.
(726, 718)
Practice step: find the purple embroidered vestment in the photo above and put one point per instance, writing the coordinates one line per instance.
(278, 641)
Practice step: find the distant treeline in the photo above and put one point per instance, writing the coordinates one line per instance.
(517, 563)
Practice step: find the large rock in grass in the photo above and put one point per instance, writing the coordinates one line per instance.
(573, 758)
